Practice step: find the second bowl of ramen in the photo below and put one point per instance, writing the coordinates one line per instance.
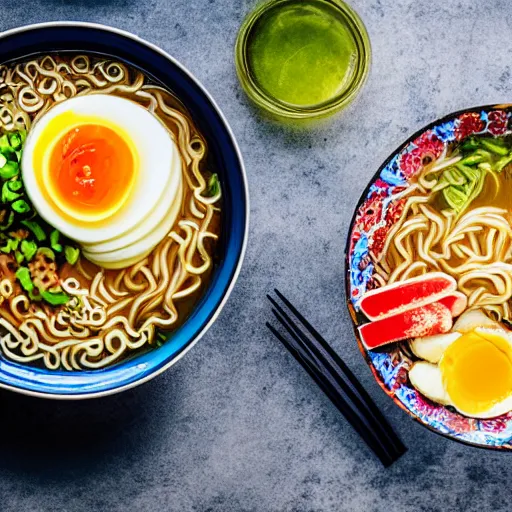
(123, 216)
(429, 276)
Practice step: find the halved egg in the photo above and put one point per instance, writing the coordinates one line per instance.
(473, 374)
(105, 172)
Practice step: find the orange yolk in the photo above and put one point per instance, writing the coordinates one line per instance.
(91, 169)
(477, 371)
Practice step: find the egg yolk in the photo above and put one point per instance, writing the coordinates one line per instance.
(91, 169)
(477, 371)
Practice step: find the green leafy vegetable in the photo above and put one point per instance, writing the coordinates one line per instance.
(71, 254)
(18, 256)
(493, 146)
(502, 162)
(462, 182)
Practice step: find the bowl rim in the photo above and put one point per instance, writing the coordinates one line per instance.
(440, 120)
(243, 175)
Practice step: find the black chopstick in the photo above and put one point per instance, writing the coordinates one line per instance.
(335, 378)
(357, 422)
(339, 369)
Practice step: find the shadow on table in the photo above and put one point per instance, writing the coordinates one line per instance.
(38, 435)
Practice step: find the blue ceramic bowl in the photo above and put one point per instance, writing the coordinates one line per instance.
(84, 37)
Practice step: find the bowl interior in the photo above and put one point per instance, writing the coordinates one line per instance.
(223, 154)
(372, 219)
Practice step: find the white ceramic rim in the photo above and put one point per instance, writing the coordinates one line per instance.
(56, 396)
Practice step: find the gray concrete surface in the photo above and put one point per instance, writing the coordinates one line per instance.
(236, 425)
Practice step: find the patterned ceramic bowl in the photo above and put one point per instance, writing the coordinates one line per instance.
(374, 216)
(223, 150)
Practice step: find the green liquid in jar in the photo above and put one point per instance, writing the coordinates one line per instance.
(302, 53)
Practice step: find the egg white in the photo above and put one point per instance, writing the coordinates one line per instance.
(152, 207)
(427, 377)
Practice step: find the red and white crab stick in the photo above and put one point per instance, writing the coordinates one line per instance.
(414, 292)
(421, 306)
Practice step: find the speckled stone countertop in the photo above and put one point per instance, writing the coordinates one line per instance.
(237, 426)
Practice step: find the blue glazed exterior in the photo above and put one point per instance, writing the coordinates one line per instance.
(83, 37)
(390, 368)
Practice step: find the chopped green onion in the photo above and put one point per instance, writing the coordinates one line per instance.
(55, 299)
(19, 257)
(213, 186)
(47, 252)
(23, 275)
(9, 170)
(54, 241)
(11, 245)
(15, 140)
(15, 185)
(72, 254)
(9, 195)
(29, 249)
(36, 229)
(20, 206)
(5, 147)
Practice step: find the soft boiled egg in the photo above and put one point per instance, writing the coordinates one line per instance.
(106, 173)
(470, 370)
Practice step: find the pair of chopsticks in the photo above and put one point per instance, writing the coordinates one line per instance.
(336, 380)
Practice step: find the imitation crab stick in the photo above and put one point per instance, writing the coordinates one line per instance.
(422, 321)
(456, 302)
(412, 293)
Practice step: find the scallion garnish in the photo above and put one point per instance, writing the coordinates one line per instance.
(9, 170)
(36, 229)
(29, 249)
(23, 275)
(71, 254)
(55, 299)
(20, 206)
(54, 241)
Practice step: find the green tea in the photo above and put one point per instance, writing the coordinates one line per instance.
(302, 53)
